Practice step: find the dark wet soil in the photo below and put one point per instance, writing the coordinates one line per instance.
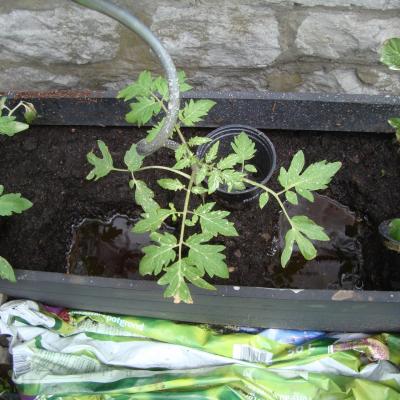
(48, 165)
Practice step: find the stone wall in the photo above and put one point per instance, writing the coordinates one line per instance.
(302, 45)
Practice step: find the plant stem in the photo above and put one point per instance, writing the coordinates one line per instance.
(274, 194)
(187, 176)
(184, 215)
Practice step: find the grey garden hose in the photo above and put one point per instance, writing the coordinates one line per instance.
(131, 22)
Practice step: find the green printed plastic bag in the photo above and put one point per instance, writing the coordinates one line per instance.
(85, 355)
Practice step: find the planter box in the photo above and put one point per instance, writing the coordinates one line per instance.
(341, 310)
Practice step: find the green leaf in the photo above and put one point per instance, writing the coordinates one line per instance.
(309, 228)
(182, 164)
(244, 147)
(13, 203)
(263, 199)
(181, 152)
(177, 287)
(198, 140)
(9, 126)
(302, 225)
(141, 87)
(306, 248)
(291, 197)
(194, 111)
(143, 110)
(390, 53)
(214, 222)
(394, 122)
(228, 162)
(201, 174)
(155, 130)
(212, 153)
(394, 229)
(288, 249)
(132, 159)
(250, 168)
(233, 179)
(207, 257)
(316, 176)
(144, 197)
(102, 166)
(192, 275)
(157, 257)
(6, 270)
(214, 180)
(199, 190)
(160, 85)
(171, 184)
(152, 221)
(30, 112)
(183, 86)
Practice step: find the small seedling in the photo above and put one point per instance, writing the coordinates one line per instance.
(12, 203)
(192, 254)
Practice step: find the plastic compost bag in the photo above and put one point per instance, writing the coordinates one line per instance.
(70, 354)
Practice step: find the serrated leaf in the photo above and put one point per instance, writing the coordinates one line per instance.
(102, 166)
(171, 184)
(263, 199)
(13, 203)
(394, 122)
(6, 270)
(250, 168)
(183, 85)
(198, 140)
(309, 228)
(132, 159)
(183, 163)
(306, 248)
(152, 221)
(394, 229)
(181, 152)
(291, 197)
(141, 87)
(199, 190)
(201, 174)
(177, 287)
(214, 180)
(288, 249)
(192, 275)
(207, 257)
(315, 177)
(158, 256)
(9, 126)
(194, 111)
(228, 162)
(390, 53)
(155, 130)
(160, 85)
(244, 147)
(215, 222)
(144, 197)
(233, 179)
(143, 110)
(212, 153)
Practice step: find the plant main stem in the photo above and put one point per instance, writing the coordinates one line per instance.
(184, 215)
(274, 194)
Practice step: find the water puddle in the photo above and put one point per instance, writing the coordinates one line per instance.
(339, 261)
(106, 248)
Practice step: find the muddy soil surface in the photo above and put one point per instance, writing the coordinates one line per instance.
(48, 166)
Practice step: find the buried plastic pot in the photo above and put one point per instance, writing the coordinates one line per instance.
(264, 160)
